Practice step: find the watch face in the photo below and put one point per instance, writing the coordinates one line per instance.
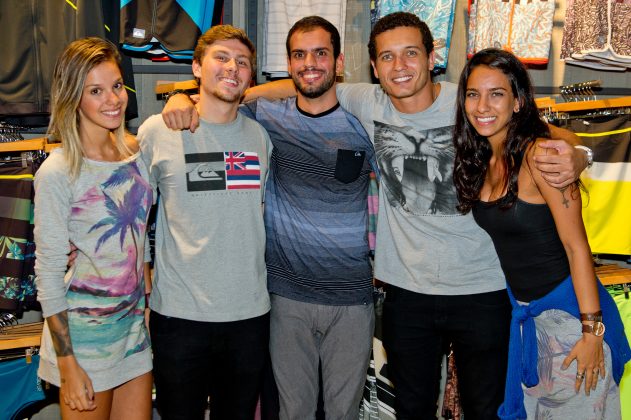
(598, 329)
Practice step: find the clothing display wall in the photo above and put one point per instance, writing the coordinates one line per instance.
(34, 34)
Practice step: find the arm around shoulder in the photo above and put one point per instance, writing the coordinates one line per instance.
(277, 89)
(564, 166)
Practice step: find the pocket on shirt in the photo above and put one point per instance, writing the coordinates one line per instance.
(349, 165)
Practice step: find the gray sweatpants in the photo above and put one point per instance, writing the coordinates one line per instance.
(303, 335)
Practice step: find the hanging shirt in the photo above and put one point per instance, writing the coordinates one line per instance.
(596, 34)
(167, 27)
(521, 27)
(608, 182)
(279, 18)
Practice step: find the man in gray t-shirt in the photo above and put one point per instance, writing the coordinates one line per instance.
(209, 304)
(444, 282)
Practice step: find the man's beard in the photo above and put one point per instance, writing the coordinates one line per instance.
(315, 91)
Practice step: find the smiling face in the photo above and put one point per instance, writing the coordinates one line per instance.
(225, 70)
(311, 62)
(403, 66)
(103, 99)
(490, 103)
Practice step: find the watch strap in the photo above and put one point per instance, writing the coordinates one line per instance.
(595, 316)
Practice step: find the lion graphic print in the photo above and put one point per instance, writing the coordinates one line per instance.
(416, 168)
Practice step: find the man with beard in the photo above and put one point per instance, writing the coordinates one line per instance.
(317, 254)
(209, 304)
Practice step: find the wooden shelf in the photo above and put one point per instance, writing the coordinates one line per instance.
(611, 274)
(20, 336)
(162, 88)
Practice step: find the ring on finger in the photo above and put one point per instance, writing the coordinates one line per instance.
(580, 375)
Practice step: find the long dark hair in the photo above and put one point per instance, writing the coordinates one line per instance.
(473, 151)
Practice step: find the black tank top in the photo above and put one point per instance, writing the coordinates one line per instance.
(528, 245)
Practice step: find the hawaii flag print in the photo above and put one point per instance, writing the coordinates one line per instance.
(243, 171)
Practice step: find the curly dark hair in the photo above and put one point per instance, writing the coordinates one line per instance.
(473, 151)
(396, 20)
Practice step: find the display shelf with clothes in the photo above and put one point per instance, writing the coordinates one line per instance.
(604, 126)
(19, 161)
(19, 360)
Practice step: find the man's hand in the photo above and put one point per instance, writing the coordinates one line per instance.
(179, 113)
(562, 164)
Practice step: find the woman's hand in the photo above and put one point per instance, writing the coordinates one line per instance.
(590, 361)
(76, 387)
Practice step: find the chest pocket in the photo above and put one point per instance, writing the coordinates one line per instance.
(349, 165)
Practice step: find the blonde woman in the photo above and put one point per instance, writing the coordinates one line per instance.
(92, 192)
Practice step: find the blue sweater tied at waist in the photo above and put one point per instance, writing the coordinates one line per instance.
(522, 348)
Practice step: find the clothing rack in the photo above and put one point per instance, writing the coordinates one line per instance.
(550, 104)
(21, 336)
(40, 143)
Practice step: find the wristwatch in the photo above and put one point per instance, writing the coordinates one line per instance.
(168, 95)
(588, 153)
(597, 328)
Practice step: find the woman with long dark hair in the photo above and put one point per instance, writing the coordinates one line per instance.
(560, 309)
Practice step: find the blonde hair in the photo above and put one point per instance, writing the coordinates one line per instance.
(71, 70)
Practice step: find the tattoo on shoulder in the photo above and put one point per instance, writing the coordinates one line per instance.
(60, 333)
(565, 201)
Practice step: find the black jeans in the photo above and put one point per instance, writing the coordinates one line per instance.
(193, 360)
(416, 330)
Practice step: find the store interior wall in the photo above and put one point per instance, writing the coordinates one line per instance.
(249, 14)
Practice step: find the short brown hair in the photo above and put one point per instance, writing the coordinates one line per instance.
(223, 33)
